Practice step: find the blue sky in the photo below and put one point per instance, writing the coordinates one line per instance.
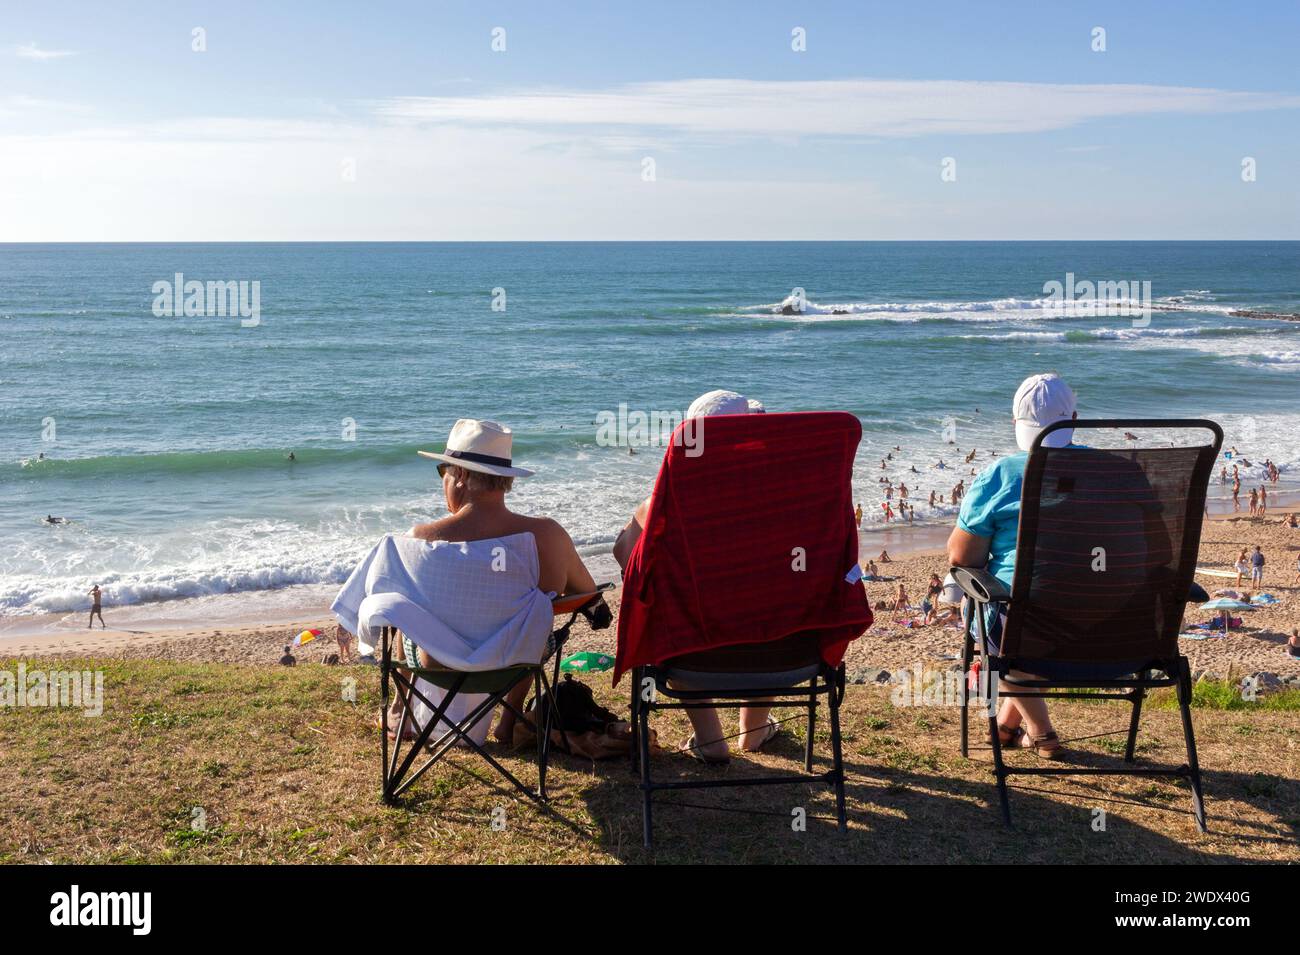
(399, 121)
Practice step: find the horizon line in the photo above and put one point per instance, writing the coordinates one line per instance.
(35, 242)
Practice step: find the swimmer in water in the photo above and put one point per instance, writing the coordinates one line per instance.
(51, 519)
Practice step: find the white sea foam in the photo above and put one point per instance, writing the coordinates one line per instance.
(1028, 309)
(592, 499)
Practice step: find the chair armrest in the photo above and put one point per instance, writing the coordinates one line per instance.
(981, 586)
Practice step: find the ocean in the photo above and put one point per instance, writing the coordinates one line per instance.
(163, 439)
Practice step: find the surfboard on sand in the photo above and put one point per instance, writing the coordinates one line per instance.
(1229, 574)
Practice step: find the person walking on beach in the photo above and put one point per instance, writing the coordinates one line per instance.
(1263, 500)
(857, 514)
(1297, 572)
(1254, 502)
(1242, 567)
(1236, 489)
(1257, 568)
(95, 608)
(345, 641)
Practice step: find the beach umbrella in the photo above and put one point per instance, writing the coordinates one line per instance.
(587, 662)
(1225, 605)
(307, 636)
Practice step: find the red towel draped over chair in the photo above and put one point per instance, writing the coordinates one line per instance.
(749, 536)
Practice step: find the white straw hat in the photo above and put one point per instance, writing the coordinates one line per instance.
(479, 446)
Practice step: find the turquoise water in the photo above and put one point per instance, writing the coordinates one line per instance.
(168, 436)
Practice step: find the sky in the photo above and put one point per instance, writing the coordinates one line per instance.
(237, 121)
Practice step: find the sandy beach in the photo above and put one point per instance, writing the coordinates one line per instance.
(896, 640)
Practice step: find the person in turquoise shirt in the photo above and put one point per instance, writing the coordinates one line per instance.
(985, 536)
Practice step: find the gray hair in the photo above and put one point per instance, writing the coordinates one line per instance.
(480, 481)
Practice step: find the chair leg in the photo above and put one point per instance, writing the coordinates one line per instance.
(967, 657)
(999, 768)
(1194, 768)
(643, 738)
(542, 727)
(634, 751)
(1136, 696)
(812, 726)
(837, 749)
(385, 781)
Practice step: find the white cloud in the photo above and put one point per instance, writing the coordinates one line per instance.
(489, 168)
(30, 51)
(878, 108)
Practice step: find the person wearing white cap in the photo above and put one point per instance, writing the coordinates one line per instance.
(987, 525)
(756, 726)
(723, 402)
(710, 403)
(477, 469)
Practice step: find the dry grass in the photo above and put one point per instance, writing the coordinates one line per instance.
(287, 771)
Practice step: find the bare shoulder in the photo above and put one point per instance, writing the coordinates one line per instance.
(431, 531)
(547, 530)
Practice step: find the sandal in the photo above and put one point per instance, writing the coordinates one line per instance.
(1011, 739)
(408, 732)
(1047, 746)
(690, 749)
(769, 734)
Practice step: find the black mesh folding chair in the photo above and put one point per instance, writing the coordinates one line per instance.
(496, 684)
(1105, 557)
(788, 672)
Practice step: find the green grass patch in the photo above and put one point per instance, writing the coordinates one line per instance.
(1226, 695)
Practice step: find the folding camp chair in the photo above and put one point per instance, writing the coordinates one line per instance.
(1105, 557)
(736, 591)
(496, 684)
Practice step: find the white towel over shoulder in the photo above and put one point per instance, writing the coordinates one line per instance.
(470, 605)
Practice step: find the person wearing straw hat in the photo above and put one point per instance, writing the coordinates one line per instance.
(478, 470)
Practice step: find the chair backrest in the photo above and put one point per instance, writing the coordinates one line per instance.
(748, 539)
(1107, 547)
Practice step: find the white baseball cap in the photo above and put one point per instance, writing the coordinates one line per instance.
(723, 402)
(1042, 400)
